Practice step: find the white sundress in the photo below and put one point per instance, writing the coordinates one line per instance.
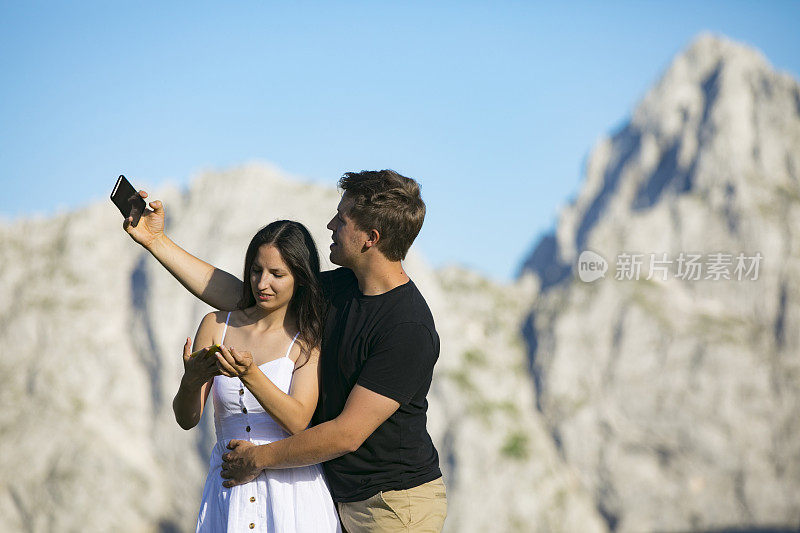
(284, 500)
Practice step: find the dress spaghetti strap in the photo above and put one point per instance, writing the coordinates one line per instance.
(289, 350)
(225, 330)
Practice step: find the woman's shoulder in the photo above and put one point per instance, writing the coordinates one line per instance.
(211, 326)
(215, 318)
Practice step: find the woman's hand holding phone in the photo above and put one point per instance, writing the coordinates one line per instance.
(198, 367)
(150, 226)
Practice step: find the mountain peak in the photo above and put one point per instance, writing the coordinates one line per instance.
(708, 45)
(719, 124)
(711, 69)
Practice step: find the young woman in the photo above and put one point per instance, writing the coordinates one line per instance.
(264, 386)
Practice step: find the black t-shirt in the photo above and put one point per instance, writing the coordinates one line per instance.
(387, 344)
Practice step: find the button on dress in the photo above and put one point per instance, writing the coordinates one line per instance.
(282, 501)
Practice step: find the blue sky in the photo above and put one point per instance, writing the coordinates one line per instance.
(492, 106)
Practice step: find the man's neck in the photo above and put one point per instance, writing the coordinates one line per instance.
(380, 276)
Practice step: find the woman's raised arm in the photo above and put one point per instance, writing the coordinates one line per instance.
(217, 288)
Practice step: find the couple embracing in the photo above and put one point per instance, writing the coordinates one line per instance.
(354, 348)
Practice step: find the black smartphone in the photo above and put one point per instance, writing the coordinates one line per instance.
(127, 199)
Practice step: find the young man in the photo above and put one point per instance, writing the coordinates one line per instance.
(378, 351)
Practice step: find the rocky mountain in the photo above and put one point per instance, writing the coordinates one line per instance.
(587, 396)
(673, 391)
(93, 328)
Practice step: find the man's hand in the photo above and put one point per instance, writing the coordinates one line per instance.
(233, 363)
(150, 226)
(239, 464)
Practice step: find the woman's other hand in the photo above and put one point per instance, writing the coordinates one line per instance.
(234, 363)
(150, 226)
(200, 368)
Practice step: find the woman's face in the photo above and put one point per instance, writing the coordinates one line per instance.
(271, 280)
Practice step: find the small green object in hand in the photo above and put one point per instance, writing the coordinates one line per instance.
(214, 348)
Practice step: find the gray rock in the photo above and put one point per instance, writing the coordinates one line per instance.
(676, 400)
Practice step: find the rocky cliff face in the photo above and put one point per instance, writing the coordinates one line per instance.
(677, 398)
(93, 329)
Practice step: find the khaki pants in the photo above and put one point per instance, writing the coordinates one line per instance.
(421, 509)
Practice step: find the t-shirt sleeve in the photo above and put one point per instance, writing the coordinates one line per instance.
(400, 363)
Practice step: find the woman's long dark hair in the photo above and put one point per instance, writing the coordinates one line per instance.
(299, 252)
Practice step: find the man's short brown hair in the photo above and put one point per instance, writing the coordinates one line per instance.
(388, 202)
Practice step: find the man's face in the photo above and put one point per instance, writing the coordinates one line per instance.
(348, 240)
